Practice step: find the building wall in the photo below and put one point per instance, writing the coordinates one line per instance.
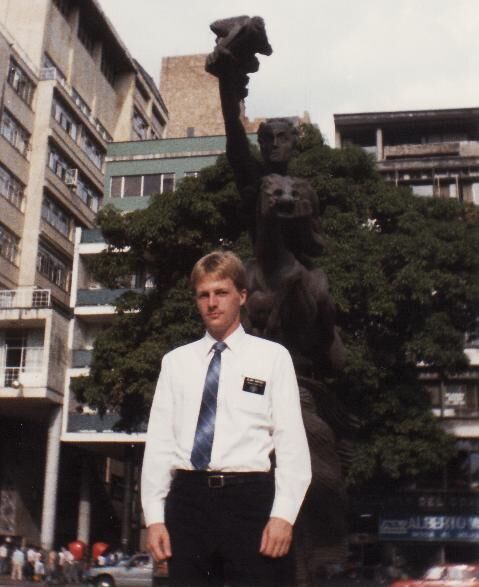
(192, 97)
(21, 478)
(29, 32)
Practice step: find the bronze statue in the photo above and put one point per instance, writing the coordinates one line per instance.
(288, 301)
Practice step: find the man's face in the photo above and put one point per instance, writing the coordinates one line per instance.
(277, 142)
(219, 303)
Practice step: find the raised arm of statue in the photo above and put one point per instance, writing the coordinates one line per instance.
(238, 39)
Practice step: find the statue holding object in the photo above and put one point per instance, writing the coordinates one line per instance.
(289, 301)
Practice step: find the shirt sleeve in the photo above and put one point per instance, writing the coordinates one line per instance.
(293, 461)
(156, 473)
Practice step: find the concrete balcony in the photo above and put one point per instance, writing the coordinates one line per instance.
(422, 150)
(94, 423)
(102, 297)
(92, 235)
(81, 358)
(91, 241)
(29, 297)
(93, 305)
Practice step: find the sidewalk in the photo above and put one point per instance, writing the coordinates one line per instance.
(5, 581)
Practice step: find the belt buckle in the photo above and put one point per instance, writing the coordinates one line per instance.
(216, 481)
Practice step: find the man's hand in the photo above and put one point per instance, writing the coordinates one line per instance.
(158, 542)
(276, 539)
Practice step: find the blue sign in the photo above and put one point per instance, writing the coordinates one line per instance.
(430, 528)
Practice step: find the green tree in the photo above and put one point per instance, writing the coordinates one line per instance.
(403, 271)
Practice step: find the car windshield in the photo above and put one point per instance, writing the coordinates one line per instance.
(459, 573)
(435, 573)
(139, 561)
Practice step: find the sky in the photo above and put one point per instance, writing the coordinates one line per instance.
(329, 56)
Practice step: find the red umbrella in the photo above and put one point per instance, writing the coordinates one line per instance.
(77, 548)
(98, 549)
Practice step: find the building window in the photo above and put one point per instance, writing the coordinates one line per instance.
(124, 186)
(63, 169)
(158, 119)
(51, 71)
(116, 186)
(53, 268)
(8, 245)
(88, 195)
(66, 119)
(472, 336)
(20, 82)
(102, 130)
(85, 36)
(11, 188)
(63, 115)
(142, 91)
(14, 133)
(463, 470)
(80, 102)
(132, 186)
(57, 163)
(21, 351)
(475, 193)
(93, 150)
(107, 67)
(56, 216)
(455, 399)
(190, 131)
(422, 190)
(140, 126)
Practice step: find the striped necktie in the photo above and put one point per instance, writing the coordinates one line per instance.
(205, 428)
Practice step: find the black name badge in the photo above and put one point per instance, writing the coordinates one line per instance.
(254, 385)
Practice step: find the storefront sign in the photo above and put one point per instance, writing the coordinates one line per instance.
(430, 528)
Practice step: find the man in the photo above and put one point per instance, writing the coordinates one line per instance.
(3, 558)
(223, 404)
(18, 560)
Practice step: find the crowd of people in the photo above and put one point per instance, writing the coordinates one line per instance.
(27, 562)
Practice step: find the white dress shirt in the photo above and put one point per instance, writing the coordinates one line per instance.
(248, 425)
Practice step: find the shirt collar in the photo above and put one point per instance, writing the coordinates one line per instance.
(233, 341)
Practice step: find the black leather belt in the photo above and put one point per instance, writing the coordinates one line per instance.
(219, 479)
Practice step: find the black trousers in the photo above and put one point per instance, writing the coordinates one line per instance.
(216, 533)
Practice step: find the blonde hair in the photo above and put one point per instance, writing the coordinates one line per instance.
(223, 264)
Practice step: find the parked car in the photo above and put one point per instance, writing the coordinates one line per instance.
(445, 576)
(137, 571)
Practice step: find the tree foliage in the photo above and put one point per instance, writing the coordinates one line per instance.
(403, 271)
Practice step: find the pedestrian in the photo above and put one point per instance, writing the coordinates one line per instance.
(61, 565)
(101, 560)
(214, 504)
(52, 567)
(18, 560)
(39, 569)
(3, 558)
(31, 554)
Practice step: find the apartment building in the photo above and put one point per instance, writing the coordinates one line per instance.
(436, 154)
(69, 88)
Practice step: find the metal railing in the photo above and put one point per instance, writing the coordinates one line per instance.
(25, 298)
